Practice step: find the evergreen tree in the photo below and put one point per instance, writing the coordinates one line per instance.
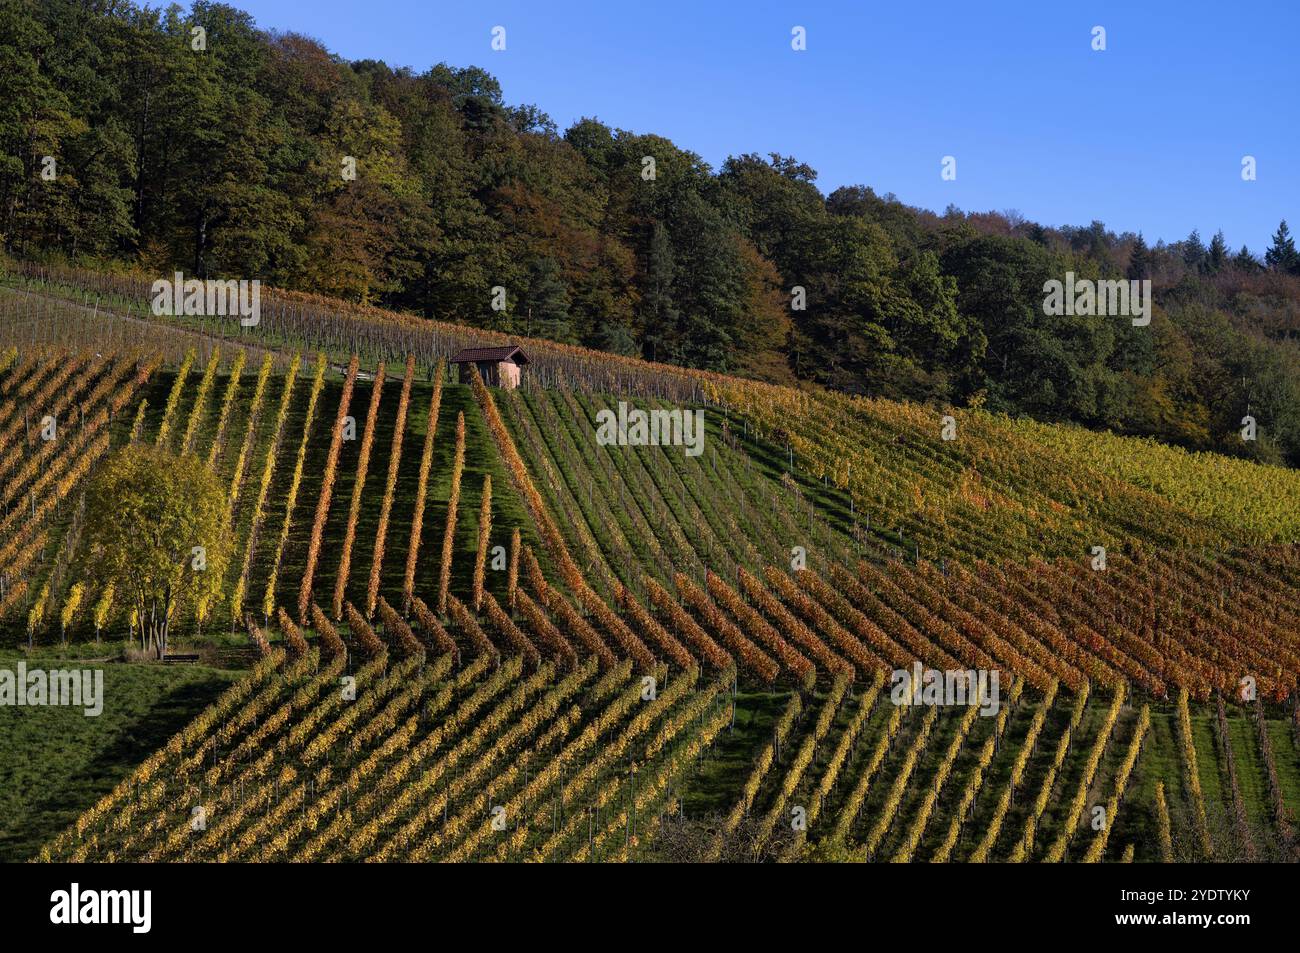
(1282, 255)
(1139, 260)
(1245, 261)
(546, 302)
(1194, 251)
(659, 316)
(1217, 256)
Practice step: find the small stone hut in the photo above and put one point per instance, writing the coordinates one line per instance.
(498, 366)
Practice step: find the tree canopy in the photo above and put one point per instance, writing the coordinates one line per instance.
(156, 530)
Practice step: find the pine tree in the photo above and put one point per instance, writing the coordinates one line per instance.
(1194, 251)
(1282, 255)
(1139, 260)
(1245, 261)
(547, 302)
(659, 314)
(1218, 254)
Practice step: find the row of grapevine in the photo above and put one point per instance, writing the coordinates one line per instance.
(912, 839)
(295, 482)
(358, 488)
(264, 487)
(1098, 846)
(985, 847)
(1075, 810)
(326, 492)
(1191, 773)
(1024, 844)
(390, 486)
(422, 487)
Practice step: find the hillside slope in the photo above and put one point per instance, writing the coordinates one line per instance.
(770, 585)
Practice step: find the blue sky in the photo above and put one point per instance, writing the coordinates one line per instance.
(1148, 134)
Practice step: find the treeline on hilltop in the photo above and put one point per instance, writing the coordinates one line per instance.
(228, 161)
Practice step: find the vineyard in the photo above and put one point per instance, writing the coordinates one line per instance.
(468, 630)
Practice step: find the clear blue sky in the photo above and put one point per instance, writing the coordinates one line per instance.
(1147, 135)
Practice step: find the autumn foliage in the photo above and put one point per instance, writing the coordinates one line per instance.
(422, 486)
(386, 507)
(358, 488)
(326, 492)
(453, 502)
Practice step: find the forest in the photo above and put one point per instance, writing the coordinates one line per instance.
(146, 141)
